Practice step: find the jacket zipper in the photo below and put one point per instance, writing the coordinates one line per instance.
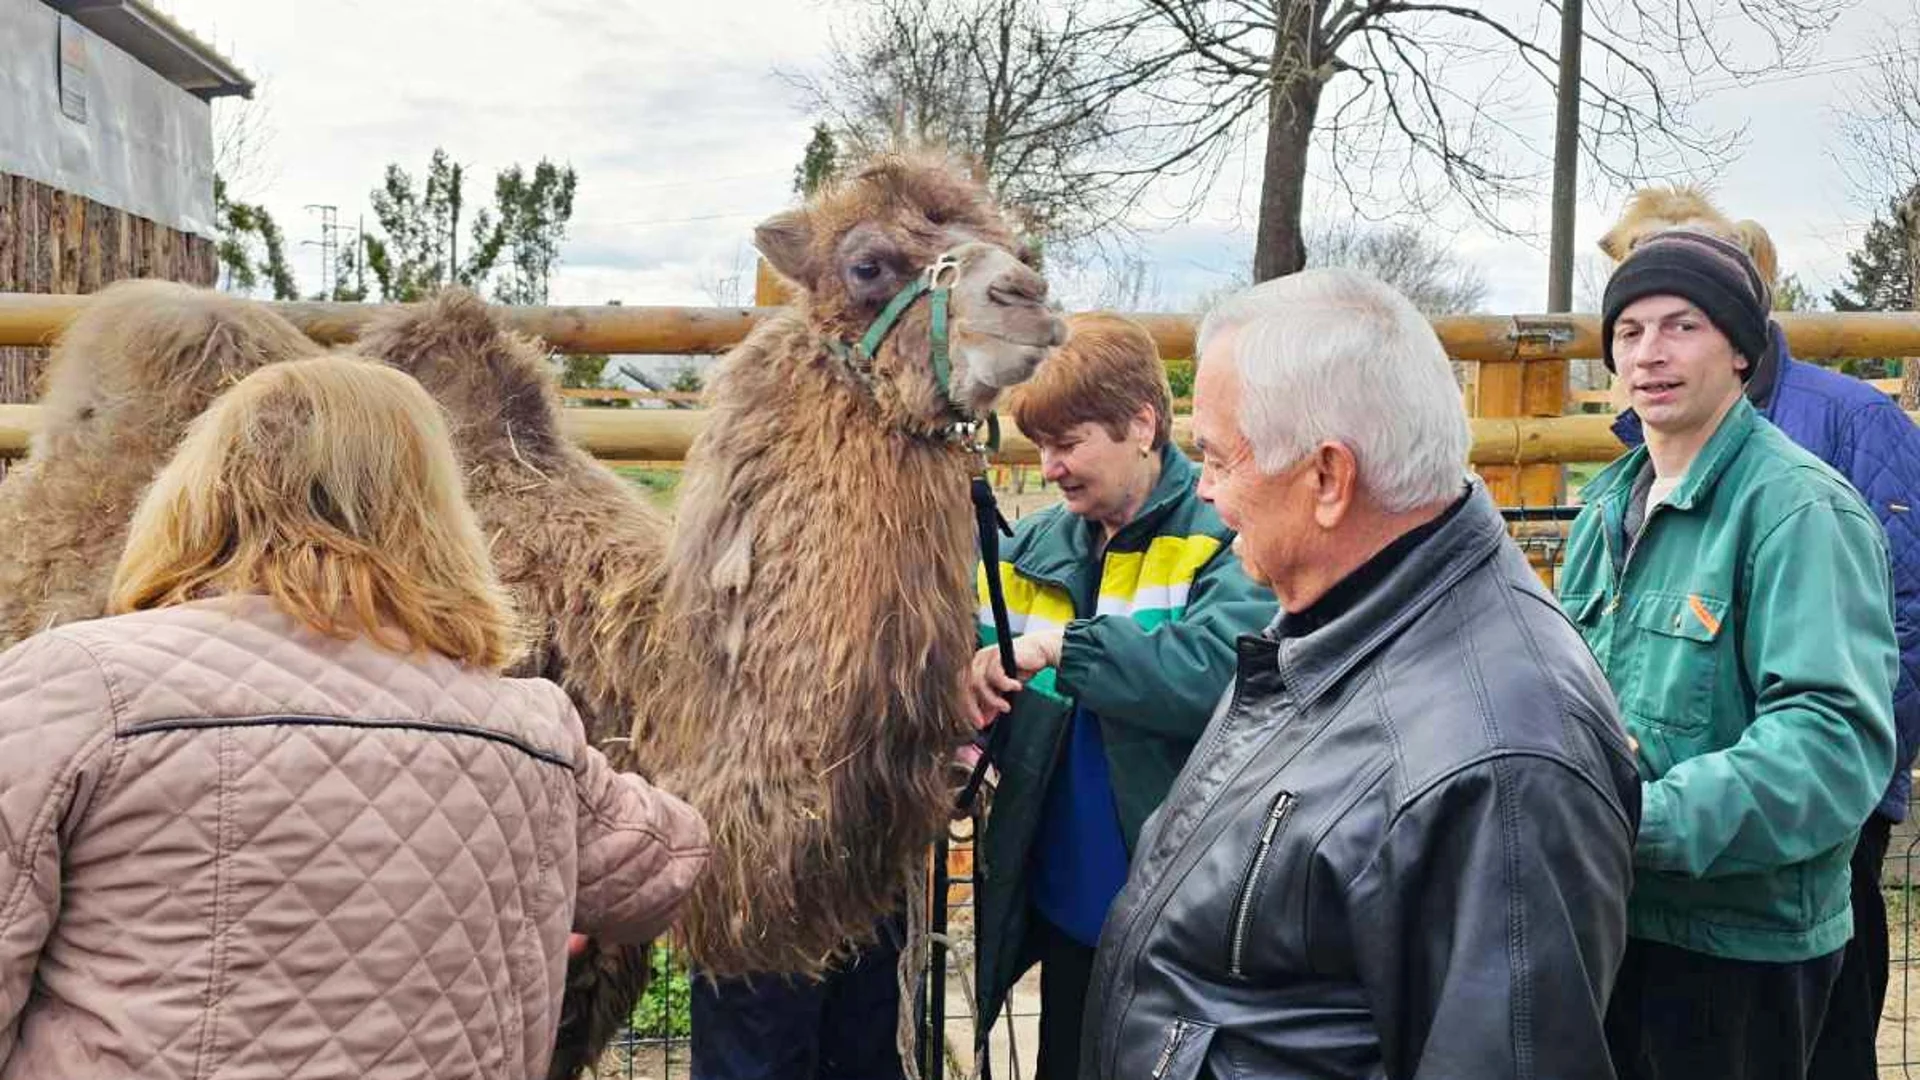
(1620, 578)
(1277, 814)
(1175, 1037)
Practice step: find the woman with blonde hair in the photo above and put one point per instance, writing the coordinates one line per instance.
(281, 814)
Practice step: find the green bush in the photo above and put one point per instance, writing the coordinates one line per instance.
(1180, 378)
(666, 1009)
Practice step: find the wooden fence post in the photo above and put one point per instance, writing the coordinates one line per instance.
(768, 288)
(1529, 388)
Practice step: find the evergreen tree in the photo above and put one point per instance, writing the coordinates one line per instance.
(818, 163)
(1878, 276)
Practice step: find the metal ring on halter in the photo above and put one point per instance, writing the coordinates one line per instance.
(942, 265)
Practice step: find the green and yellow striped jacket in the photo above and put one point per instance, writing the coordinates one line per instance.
(1149, 633)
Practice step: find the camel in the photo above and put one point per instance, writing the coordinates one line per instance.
(1652, 209)
(819, 586)
(787, 655)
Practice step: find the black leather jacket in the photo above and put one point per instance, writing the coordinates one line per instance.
(1402, 849)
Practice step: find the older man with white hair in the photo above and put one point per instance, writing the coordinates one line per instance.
(1404, 845)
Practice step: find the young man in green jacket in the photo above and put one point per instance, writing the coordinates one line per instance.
(1736, 592)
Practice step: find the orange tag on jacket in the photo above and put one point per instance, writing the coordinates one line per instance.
(1700, 612)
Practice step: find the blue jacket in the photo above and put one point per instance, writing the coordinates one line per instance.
(1862, 433)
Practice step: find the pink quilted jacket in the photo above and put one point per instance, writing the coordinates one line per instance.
(232, 847)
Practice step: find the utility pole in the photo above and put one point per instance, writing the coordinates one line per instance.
(1566, 161)
(329, 242)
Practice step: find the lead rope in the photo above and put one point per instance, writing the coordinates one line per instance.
(989, 524)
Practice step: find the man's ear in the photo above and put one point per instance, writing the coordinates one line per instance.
(785, 239)
(1336, 475)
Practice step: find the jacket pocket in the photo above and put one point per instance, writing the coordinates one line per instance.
(1246, 898)
(1678, 659)
(1183, 1051)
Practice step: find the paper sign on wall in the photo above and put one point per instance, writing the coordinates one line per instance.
(73, 69)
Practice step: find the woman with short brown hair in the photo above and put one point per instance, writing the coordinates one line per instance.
(1126, 599)
(281, 814)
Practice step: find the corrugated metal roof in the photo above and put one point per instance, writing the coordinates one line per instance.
(155, 40)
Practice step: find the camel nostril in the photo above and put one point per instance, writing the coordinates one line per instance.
(1018, 292)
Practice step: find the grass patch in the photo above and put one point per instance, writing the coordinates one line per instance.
(659, 484)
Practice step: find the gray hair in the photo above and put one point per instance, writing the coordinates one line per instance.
(1332, 355)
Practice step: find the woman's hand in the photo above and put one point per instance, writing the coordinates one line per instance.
(1036, 652)
(988, 686)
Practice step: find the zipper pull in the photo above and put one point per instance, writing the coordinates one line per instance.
(1282, 806)
(1174, 1038)
(1613, 605)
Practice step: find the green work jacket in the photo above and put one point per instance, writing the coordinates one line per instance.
(1748, 634)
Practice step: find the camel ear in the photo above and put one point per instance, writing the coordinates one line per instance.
(1614, 243)
(1749, 235)
(785, 239)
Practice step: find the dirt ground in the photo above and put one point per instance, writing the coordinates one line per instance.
(1899, 1046)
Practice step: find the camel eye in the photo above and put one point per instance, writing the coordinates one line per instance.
(866, 271)
(937, 217)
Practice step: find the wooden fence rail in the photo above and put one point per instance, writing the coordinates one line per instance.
(37, 320)
(663, 436)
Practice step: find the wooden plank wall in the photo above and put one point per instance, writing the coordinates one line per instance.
(54, 242)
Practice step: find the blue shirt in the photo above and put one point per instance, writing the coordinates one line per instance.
(1079, 856)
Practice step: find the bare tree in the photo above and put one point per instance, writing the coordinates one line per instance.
(1881, 123)
(1417, 264)
(1405, 104)
(1009, 85)
(242, 140)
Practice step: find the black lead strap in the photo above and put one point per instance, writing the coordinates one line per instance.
(989, 524)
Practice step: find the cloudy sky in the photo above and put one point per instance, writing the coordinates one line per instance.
(684, 134)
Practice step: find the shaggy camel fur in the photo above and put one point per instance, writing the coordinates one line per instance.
(143, 359)
(579, 548)
(1652, 209)
(818, 611)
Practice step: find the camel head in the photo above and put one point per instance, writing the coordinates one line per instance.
(1653, 209)
(862, 241)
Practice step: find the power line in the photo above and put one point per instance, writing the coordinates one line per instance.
(651, 185)
(675, 220)
(328, 243)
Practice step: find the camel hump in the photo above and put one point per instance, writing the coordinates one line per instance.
(497, 385)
